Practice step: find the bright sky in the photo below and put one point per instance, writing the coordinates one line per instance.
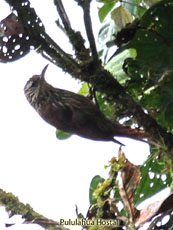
(51, 175)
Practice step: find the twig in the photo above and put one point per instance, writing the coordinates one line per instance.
(75, 37)
(88, 26)
(60, 26)
(63, 15)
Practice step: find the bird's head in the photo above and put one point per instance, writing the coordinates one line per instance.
(34, 86)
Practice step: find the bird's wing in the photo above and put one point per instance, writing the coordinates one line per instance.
(77, 101)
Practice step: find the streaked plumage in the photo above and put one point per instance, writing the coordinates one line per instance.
(74, 113)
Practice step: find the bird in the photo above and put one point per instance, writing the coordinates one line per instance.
(74, 113)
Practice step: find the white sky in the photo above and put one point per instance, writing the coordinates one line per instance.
(51, 175)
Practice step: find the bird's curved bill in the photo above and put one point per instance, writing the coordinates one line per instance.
(43, 72)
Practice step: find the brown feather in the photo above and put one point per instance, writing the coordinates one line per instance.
(74, 113)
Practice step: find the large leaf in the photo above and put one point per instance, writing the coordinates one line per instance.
(152, 180)
(93, 186)
(121, 17)
(106, 34)
(154, 209)
(151, 2)
(152, 50)
(127, 183)
(153, 39)
(14, 41)
(105, 9)
(115, 66)
(136, 7)
(160, 101)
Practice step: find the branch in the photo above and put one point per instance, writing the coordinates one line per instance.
(103, 82)
(57, 54)
(15, 207)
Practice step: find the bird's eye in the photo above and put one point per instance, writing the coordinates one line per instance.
(33, 84)
(34, 81)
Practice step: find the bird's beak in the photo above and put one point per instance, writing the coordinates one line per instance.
(42, 79)
(43, 72)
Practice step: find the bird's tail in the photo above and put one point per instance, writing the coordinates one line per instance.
(137, 134)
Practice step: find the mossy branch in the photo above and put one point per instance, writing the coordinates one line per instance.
(14, 207)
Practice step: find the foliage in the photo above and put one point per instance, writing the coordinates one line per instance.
(134, 84)
(104, 198)
(149, 74)
(62, 135)
(143, 64)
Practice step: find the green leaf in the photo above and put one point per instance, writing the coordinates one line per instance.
(106, 33)
(151, 50)
(152, 180)
(121, 17)
(62, 135)
(84, 90)
(159, 100)
(151, 2)
(153, 39)
(93, 186)
(115, 66)
(108, 1)
(107, 108)
(104, 10)
(169, 114)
